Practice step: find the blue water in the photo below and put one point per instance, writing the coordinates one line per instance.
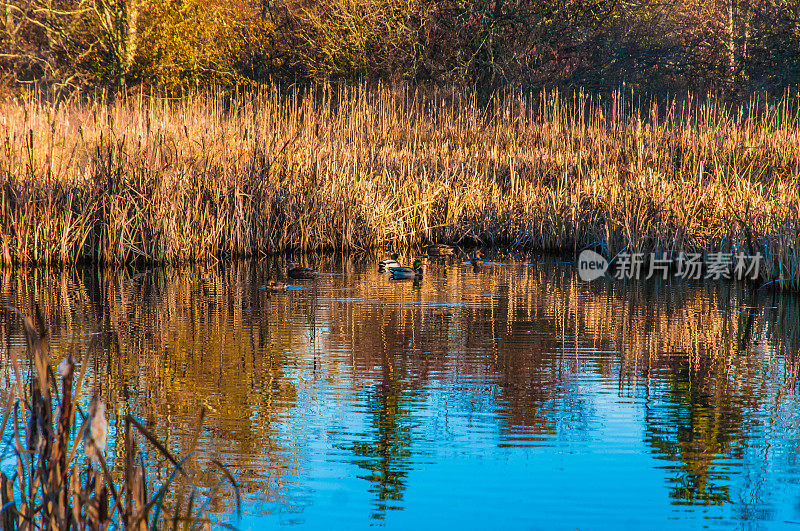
(514, 397)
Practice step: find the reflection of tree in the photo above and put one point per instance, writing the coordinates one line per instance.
(165, 345)
(385, 454)
(695, 427)
(512, 343)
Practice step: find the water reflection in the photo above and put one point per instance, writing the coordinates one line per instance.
(384, 451)
(355, 399)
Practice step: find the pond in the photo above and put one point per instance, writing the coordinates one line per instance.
(514, 396)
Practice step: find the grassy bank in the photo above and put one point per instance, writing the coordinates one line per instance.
(195, 179)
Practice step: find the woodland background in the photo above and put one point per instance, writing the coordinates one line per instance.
(730, 47)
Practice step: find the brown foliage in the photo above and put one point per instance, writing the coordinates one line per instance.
(155, 180)
(734, 46)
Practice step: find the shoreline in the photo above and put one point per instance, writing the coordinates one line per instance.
(171, 182)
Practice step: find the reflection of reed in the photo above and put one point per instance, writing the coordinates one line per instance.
(169, 345)
(50, 487)
(518, 337)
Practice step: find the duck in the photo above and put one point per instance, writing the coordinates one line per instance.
(303, 273)
(274, 285)
(476, 261)
(414, 272)
(388, 263)
(439, 249)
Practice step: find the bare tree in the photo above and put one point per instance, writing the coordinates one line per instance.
(118, 20)
(51, 43)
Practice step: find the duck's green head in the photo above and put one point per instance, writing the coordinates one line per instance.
(395, 256)
(417, 263)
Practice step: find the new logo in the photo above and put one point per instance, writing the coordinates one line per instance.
(591, 265)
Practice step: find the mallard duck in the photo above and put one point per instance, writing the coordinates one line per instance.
(408, 272)
(303, 273)
(476, 261)
(439, 249)
(388, 263)
(274, 285)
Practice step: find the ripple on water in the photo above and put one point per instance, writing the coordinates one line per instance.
(513, 396)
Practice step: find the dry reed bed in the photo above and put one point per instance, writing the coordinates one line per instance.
(204, 177)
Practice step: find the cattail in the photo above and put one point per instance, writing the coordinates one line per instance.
(95, 433)
(66, 366)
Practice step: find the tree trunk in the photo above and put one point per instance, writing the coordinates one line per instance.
(118, 18)
(9, 27)
(746, 41)
(731, 42)
(132, 18)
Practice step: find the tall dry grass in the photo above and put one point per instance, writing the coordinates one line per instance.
(205, 177)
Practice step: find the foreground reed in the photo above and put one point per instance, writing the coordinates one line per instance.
(50, 488)
(204, 177)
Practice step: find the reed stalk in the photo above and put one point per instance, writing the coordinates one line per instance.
(51, 488)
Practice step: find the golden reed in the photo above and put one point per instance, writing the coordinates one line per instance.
(208, 176)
